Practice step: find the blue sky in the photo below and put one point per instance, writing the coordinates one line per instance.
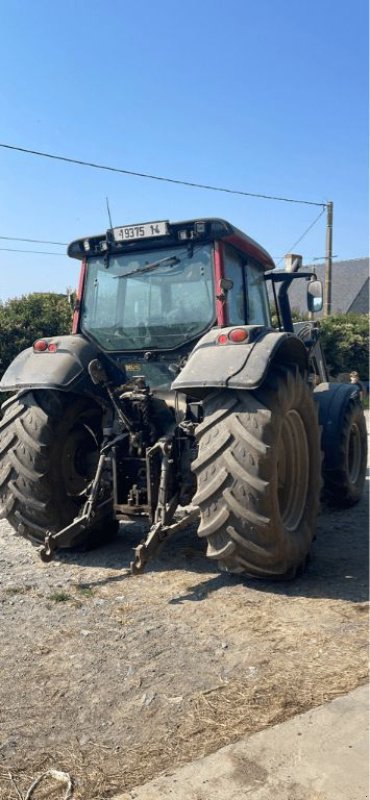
(265, 96)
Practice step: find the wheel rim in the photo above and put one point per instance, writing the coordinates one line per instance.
(353, 455)
(292, 470)
(79, 458)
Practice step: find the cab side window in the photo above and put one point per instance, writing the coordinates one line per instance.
(247, 299)
(233, 269)
(258, 304)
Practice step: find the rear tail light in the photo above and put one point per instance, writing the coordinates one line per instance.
(235, 336)
(42, 346)
(238, 335)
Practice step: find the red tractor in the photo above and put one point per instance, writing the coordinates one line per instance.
(175, 390)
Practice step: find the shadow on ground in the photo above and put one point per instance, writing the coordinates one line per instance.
(338, 568)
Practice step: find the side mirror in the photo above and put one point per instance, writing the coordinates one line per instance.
(314, 296)
(226, 285)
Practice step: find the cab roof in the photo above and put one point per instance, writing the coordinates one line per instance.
(139, 237)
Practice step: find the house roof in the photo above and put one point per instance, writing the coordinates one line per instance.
(350, 286)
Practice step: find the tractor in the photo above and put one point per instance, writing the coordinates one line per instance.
(176, 400)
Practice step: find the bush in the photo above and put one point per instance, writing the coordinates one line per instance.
(345, 341)
(25, 319)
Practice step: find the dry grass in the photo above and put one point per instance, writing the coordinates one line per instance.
(212, 719)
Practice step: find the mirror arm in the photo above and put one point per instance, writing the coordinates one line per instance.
(285, 279)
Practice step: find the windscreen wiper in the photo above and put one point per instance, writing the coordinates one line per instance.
(169, 260)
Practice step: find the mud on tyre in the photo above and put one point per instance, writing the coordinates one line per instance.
(49, 447)
(259, 476)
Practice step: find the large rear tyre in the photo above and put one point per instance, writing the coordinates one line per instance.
(49, 447)
(259, 476)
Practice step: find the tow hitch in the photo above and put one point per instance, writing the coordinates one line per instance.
(156, 538)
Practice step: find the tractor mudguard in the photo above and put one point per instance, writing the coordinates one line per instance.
(241, 365)
(65, 369)
(332, 400)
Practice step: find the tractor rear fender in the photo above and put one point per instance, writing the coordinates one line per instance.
(65, 369)
(332, 400)
(238, 365)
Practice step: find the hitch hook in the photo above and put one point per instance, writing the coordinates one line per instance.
(47, 550)
(157, 536)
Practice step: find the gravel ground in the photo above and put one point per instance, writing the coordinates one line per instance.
(115, 679)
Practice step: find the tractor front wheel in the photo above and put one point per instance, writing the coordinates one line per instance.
(344, 468)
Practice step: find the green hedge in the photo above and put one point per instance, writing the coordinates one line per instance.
(25, 319)
(345, 341)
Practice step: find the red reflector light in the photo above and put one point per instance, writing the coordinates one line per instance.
(238, 335)
(234, 336)
(40, 346)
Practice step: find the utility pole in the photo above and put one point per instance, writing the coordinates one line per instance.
(328, 259)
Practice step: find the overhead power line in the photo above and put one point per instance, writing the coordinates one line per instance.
(291, 249)
(35, 241)
(159, 178)
(40, 252)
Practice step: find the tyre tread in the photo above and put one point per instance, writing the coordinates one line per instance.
(29, 496)
(233, 469)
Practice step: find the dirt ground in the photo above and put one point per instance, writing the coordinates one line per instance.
(116, 679)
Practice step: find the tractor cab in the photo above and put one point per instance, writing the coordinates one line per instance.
(158, 286)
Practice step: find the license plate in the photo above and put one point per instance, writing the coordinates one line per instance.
(147, 231)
